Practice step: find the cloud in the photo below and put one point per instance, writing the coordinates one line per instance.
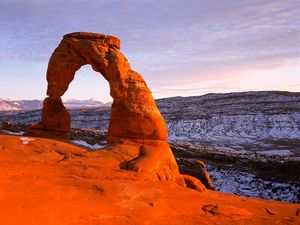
(166, 40)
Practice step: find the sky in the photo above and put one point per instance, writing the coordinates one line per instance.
(181, 47)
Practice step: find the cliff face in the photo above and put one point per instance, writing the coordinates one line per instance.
(246, 115)
(50, 182)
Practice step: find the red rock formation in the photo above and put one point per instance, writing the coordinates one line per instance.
(49, 182)
(136, 124)
(134, 113)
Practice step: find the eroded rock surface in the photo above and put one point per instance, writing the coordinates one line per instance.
(44, 181)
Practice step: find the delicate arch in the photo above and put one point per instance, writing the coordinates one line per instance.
(134, 112)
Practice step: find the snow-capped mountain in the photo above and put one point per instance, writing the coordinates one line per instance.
(11, 105)
(84, 104)
(6, 105)
(26, 105)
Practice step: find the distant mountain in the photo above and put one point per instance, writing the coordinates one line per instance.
(84, 104)
(19, 105)
(26, 105)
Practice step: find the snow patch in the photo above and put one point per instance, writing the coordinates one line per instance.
(276, 152)
(26, 140)
(13, 133)
(246, 184)
(85, 144)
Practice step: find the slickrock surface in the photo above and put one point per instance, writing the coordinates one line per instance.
(134, 112)
(45, 181)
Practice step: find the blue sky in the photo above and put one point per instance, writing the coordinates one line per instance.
(181, 47)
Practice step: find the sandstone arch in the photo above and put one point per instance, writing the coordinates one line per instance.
(134, 112)
(137, 131)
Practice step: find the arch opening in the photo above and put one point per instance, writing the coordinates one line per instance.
(88, 101)
(88, 84)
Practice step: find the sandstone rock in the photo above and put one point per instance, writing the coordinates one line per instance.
(197, 169)
(193, 183)
(55, 117)
(153, 158)
(51, 182)
(134, 112)
(137, 132)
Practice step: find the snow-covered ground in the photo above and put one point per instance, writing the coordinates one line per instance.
(238, 126)
(87, 145)
(26, 140)
(247, 184)
(20, 133)
(251, 121)
(281, 152)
